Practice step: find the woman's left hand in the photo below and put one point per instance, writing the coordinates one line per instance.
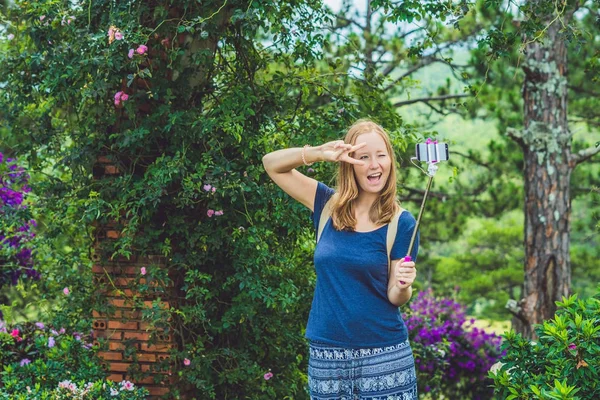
(406, 273)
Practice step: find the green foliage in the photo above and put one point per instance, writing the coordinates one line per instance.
(488, 258)
(563, 364)
(43, 363)
(219, 85)
(98, 390)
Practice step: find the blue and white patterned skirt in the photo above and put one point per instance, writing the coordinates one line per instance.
(382, 373)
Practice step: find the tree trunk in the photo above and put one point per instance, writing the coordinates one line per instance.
(546, 142)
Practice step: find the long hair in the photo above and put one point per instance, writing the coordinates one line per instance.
(385, 206)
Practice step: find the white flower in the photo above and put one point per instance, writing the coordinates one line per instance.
(114, 392)
(494, 369)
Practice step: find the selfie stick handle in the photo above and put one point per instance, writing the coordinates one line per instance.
(431, 173)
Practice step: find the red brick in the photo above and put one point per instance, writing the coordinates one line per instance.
(110, 335)
(122, 325)
(159, 348)
(117, 346)
(119, 366)
(110, 355)
(157, 390)
(146, 357)
(115, 377)
(113, 234)
(99, 324)
(111, 170)
(147, 326)
(162, 304)
(146, 380)
(121, 303)
(104, 160)
(137, 335)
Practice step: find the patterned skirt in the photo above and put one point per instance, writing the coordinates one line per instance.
(382, 373)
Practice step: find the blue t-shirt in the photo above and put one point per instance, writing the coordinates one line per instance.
(350, 306)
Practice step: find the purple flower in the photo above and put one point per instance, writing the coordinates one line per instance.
(51, 342)
(24, 362)
(40, 325)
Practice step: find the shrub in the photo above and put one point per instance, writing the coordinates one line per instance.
(452, 356)
(100, 389)
(43, 363)
(563, 364)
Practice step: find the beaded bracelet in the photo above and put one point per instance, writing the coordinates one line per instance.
(304, 159)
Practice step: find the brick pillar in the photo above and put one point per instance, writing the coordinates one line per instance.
(134, 347)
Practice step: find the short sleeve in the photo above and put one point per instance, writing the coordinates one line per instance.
(323, 194)
(406, 227)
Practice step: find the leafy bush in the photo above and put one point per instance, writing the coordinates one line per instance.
(563, 364)
(452, 356)
(185, 120)
(43, 363)
(100, 389)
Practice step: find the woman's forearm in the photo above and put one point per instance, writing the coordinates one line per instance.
(399, 297)
(285, 160)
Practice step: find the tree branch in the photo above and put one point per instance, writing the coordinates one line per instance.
(470, 157)
(426, 99)
(583, 155)
(348, 22)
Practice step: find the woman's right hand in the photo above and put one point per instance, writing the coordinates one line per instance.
(337, 150)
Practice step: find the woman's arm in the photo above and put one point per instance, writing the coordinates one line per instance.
(402, 276)
(281, 164)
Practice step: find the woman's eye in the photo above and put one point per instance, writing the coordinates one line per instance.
(382, 155)
(363, 157)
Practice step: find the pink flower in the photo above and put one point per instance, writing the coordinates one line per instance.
(15, 333)
(268, 376)
(142, 49)
(127, 385)
(42, 17)
(572, 346)
(130, 54)
(219, 213)
(210, 213)
(118, 35)
(10, 36)
(66, 291)
(206, 187)
(214, 189)
(143, 270)
(120, 96)
(186, 362)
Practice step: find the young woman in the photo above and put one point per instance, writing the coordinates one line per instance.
(358, 341)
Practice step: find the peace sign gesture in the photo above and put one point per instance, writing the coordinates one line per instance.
(337, 150)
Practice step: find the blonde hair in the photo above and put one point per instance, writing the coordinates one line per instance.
(385, 206)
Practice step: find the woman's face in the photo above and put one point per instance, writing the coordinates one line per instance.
(372, 176)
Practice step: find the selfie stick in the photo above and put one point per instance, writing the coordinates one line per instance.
(431, 170)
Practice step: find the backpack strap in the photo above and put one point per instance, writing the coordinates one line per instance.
(325, 214)
(391, 236)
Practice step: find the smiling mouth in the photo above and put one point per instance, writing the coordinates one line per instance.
(374, 178)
